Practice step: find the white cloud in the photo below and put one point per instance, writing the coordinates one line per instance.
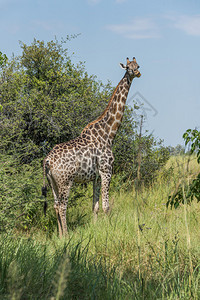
(188, 24)
(138, 28)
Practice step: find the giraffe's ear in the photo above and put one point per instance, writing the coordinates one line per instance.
(122, 66)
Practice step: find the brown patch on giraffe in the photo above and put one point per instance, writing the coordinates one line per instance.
(112, 135)
(105, 137)
(101, 132)
(118, 99)
(71, 151)
(107, 128)
(99, 139)
(115, 126)
(87, 154)
(106, 117)
(117, 92)
(96, 126)
(114, 109)
(88, 138)
(123, 99)
(118, 116)
(97, 152)
(70, 147)
(94, 132)
(101, 145)
(111, 120)
(126, 86)
(91, 126)
(119, 107)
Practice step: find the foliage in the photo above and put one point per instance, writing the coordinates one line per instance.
(46, 100)
(3, 59)
(153, 154)
(177, 150)
(187, 193)
(21, 204)
(193, 137)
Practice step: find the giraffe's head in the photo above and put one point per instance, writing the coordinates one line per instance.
(131, 67)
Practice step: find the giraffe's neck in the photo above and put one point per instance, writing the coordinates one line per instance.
(107, 125)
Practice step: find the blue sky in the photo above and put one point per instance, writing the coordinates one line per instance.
(164, 36)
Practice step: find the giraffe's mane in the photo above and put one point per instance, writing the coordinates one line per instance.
(106, 109)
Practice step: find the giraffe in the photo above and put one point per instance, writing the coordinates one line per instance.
(88, 157)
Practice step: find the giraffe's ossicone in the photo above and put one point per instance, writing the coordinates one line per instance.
(88, 157)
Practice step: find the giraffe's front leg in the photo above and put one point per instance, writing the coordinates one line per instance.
(105, 184)
(96, 194)
(105, 171)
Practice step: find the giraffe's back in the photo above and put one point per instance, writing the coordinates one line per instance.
(75, 160)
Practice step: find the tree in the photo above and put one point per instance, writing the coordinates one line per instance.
(192, 190)
(177, 150)
(46, 100)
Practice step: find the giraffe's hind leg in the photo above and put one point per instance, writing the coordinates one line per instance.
(56, 207)
(54, 187)
(61, 194)
(61, 207)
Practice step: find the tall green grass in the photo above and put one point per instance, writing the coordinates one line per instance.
(142, 250)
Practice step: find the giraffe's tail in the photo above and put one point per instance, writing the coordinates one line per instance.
(44, 187)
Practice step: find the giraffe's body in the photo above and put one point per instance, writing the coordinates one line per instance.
(89, 156)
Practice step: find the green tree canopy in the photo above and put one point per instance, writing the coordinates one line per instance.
(46, 99)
